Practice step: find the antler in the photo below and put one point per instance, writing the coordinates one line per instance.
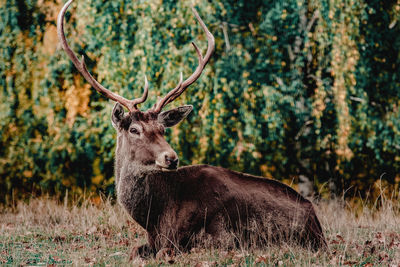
(181, 87)
(131, 105)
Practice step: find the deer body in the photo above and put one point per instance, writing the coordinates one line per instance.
(177, 205)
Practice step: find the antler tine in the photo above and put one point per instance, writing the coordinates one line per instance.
(143, 98)
(202, 61)
(81, 66)
(176, 92)
(164, 101)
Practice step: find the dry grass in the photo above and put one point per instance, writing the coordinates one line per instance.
(47, 232)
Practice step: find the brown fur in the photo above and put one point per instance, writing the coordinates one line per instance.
(177, 206)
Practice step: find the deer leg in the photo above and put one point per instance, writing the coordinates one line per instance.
(220, 234)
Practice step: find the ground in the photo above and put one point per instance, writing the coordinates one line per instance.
(44, 232)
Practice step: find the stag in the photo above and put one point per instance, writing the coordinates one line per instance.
(177, 205)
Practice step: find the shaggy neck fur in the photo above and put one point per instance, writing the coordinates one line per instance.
(143, 190)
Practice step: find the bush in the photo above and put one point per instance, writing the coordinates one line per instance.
(294, 88)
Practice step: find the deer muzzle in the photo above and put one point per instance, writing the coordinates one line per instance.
(168, 160)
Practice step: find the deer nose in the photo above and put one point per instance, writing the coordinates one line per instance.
(171, 160)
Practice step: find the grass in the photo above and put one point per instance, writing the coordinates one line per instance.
(47, 232)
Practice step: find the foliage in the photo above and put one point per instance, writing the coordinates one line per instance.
(294, 88)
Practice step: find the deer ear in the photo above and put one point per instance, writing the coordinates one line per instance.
(117, 115)
(172, 117)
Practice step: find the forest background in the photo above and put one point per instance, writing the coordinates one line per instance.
(294, 89)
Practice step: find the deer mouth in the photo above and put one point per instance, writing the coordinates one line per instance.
(165, 167)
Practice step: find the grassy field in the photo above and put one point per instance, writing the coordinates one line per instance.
(46, 232)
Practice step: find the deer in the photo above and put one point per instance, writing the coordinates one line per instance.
(175, 205)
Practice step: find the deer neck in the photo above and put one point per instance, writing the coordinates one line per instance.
(146, 193)
(141, 188)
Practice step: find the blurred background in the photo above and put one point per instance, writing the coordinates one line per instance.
(306, 92)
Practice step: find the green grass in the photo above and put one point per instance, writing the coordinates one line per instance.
(46, 232)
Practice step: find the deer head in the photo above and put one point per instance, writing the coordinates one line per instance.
(140, 134)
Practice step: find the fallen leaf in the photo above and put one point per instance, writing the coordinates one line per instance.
(59, 238)
(56, 259)
(106, 233)
(380, 238)
(124, 242)
(90, 260)
(394, 244)
(261, 259)
(341, 239)
(383, 256)
(349, 262)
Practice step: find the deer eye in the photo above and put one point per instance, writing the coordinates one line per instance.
(134, 131)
